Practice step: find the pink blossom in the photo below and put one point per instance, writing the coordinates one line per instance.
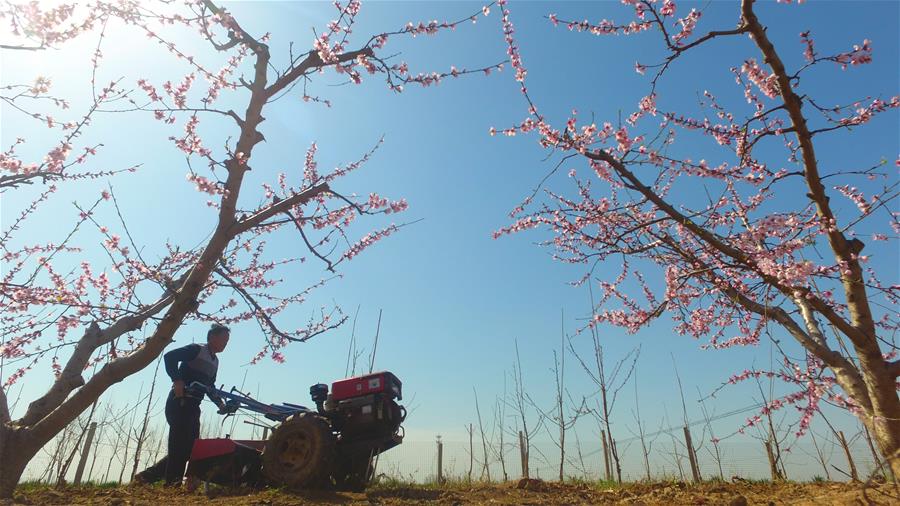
(310, 165)
(864, 114)
(41, 85)
(809, 53)
(688, 23)
(368, 240)
(766, 83)
(856, 196)
(861, 55)
(668, 8)
(204, 185)
(149, 89)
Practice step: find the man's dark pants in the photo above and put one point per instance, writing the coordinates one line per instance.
(183, 416)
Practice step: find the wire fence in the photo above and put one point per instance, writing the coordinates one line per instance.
(418, 462)
(112, 458)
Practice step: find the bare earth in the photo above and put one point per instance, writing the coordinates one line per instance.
(533, 492)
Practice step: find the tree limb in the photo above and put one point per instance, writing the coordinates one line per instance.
(312, 61)
(222, 271)
(70, 378)
(4, 407)
(282, 206)
(847, 374)
(894, 368)
(718, 243)
(328, 263)
(844, 250)
(22, 48)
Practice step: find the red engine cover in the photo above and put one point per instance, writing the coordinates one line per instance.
(375, 383)
(206, 448)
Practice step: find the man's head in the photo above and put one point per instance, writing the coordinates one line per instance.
(217, 337)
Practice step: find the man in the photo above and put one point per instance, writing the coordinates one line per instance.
(186, 366)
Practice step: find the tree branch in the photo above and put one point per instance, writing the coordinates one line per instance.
(328, 263)
(812, 326)
(4, 407)
(70, 378)
(282, 206)
(854, 333)
(847, 374)
(815, 343)
(183, 302)
(23, 48)
(312, 61)
(844, 250)
(894, 368)
(260, 312)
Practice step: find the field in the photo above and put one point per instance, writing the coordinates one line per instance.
(532, 492)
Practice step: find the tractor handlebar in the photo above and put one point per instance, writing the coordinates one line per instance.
(229, 402)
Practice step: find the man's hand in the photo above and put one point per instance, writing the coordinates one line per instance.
(178, 387)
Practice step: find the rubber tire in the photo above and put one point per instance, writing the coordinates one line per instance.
(300, 452)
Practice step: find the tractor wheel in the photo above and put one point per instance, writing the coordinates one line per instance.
(300, 452)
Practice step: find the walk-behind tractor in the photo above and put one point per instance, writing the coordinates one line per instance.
(334, 445)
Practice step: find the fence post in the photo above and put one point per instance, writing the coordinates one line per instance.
(606, 460)
(84, 453)
(692, 457)
(523, 455)
(440, 462)
(853, 474)
(773, 467)
(880, 466)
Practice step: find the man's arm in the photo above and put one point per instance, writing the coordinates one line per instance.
(214, 397)
(173, 358)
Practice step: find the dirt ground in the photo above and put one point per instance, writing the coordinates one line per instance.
(533, 492)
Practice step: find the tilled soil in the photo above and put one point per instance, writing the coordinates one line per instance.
(531, 492)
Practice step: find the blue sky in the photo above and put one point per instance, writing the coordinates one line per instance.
(454, 300)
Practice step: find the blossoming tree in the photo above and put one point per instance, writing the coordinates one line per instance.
(766, 246)
(93, 311)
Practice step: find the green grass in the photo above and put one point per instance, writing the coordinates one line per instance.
(394, 483)
(35, 485)
(30, 485)
(388, 483)
(598, 484)
(385, 482)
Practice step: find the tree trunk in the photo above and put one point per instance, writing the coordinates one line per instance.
(523, 455)
(13, 467)
(879, 467)
(773, 463)
(887, 442)
(606, 456)
(15, 456)
(877, 395)
(874, 385)
(884, 421)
